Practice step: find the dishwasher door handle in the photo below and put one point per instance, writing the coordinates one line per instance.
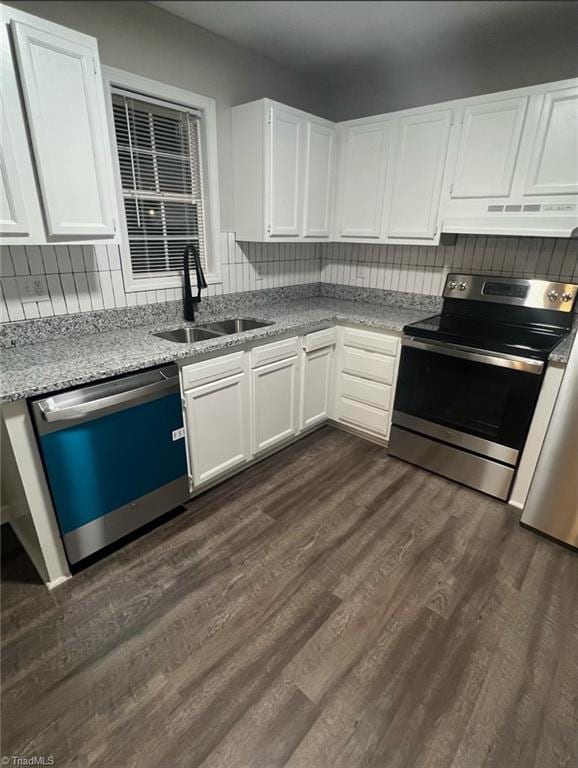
(102, 405)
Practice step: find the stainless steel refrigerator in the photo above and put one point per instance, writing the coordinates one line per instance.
(552, 505)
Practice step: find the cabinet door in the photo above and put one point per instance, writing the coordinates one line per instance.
(285, 182)
(20, 215)
(274, 403)
(13, 219)
(64, 100)
(420, 163)
(218, 427)
(488, 148)
(316, 378)
(365, 156)
(320, 150)
(553, 168)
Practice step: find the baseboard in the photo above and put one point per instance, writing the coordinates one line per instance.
(358, 433)
(57, 582)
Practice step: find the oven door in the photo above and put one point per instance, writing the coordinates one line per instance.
(480, 402)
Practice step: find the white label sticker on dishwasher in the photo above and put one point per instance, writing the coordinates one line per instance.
(178, 434)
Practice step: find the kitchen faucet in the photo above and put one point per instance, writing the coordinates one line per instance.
(189, 300)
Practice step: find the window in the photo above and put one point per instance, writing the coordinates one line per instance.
(163, 149)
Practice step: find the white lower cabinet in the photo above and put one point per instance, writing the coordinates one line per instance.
(275, 403)
(240, 405)
(365, 380)
(364, 417)
(316, 389)
(218, 427)
(366, 391)
(369, 365)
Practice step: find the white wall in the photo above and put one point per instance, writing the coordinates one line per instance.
(422, 269)
(143, 39)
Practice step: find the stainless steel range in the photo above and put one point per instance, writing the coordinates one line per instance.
(469, 378)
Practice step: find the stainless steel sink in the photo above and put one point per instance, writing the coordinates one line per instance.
(187, 335)
(236, 325)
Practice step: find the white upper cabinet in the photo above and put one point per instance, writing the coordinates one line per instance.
(553, 168)
(13, 218)
(283, 162)
(65, 106)
(488, 148)
(515, 170)
(319, 170)
(390, 177)
(421, 152)
(285, 179)
(64, 115)
(365, 152)
(20, 214)
(503, 164)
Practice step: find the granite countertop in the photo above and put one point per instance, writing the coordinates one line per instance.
(48, 366)
(33, 369)
(561, 352)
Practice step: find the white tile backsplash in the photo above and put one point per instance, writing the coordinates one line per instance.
(83, 278)
(423, 269)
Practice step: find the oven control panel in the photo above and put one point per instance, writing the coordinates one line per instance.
(511, 290)
(537, 294)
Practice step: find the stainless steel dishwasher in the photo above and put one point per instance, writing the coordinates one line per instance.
(114, 455)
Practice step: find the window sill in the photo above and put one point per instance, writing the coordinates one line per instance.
(159, 283)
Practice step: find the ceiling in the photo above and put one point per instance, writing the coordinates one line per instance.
(319, 35)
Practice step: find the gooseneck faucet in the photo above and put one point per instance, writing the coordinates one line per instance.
(189, 300)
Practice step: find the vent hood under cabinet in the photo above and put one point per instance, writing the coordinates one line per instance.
(515, 164)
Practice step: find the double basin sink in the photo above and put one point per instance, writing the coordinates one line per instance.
(188, 335)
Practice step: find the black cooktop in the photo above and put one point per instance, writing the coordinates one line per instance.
(536, 341)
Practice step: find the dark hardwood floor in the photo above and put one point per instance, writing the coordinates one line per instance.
(328, 608)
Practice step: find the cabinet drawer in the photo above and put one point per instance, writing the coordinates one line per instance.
(365, 391)
(363, 416)
(279, 350)
(211, 370)
(368, 365)
(370, 340)
(319, 339)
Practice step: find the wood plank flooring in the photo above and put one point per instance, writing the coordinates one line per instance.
(330, 607)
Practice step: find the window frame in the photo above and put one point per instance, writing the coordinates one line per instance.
(210, 188)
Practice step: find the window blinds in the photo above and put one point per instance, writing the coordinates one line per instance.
(160, 169)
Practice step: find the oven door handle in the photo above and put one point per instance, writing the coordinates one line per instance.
(523, 364)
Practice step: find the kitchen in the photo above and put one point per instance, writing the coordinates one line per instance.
(288, 385)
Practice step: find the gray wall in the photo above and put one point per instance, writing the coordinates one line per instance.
(145, 40)
(538, 45)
